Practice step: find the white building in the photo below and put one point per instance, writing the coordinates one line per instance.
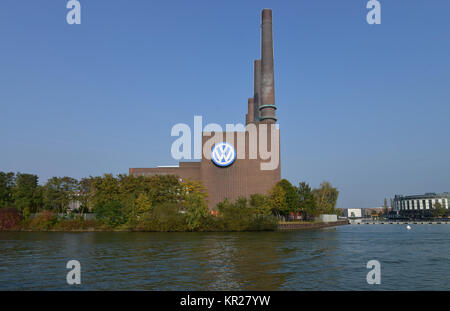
(353, 212)
(423, 202)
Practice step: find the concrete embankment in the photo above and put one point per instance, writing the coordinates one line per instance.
(312, 225)
(412, 222)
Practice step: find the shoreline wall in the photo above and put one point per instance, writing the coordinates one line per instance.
(317, 225)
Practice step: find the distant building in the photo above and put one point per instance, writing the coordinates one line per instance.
(327, 217)
(370, 211)
(362, 212)
(420, 204)
(353, 212)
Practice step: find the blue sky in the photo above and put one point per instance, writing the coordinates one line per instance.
(366, 107)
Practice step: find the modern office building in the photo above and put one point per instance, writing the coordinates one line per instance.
(420, 204)
(224, 174)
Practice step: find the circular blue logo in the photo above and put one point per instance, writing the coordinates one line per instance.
(223, 154)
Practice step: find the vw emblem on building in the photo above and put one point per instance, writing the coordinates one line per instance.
(223, 154)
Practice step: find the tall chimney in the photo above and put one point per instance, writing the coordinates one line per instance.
(251, 107)
(267, 99)
(257, 88)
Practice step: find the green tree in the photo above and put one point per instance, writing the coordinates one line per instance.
(277, 201)
(326, 197)
(27, 195)
(141, 207)
(196, 210)
(105, 190)
(58, 192)
(260, 204)
(143, 204)
(165, 189)
(85, 194)
(306, 200)
(291, 194)
(438, 210)
(111, 213)
(7, 183)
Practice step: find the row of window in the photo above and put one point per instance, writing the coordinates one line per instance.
(420, 204)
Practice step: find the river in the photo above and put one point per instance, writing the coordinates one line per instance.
(323, 259)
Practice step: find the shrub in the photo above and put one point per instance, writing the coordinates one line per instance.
(164, 218)
(43, 221)
(77, 223)
(239, 217)
(111, 213)
(9, 219)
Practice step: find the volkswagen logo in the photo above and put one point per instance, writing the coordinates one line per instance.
(223, 154)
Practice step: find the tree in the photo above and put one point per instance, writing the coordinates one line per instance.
(306, 200)
(326, 197)
(196, 210)
(194, 186)
(165, 189)
(112, 213)
(277, 200)
(58, 192)
(260, 204)
(143, 204)
(6, 189)
(85, 194)
(438, 210)
(105, 189)
(291, 196)
(139, 208)
(26, 194)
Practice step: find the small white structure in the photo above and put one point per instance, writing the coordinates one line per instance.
(327, 218)
(353, 213)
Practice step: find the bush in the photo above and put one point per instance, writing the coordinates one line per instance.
(9, 219)
(239, 217)
(43, 221)
(164, 218)
(77, 224)
(111, 213)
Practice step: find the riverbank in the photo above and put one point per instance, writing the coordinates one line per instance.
(285, 226)
(311, 225)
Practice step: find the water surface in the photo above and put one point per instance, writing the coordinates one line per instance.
(324, 259)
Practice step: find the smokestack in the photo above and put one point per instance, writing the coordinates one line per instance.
(267, 98)
(251, 113)
(257, 88)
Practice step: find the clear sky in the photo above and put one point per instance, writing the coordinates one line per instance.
(366, 107)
